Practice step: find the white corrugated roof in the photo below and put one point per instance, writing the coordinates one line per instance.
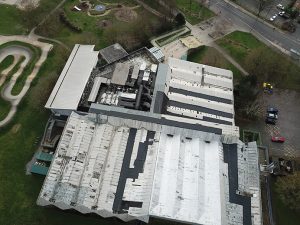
(72, 80)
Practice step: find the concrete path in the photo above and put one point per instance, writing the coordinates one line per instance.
(229, 58)
(19, 51)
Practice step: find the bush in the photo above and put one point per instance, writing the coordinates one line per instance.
(63, 17)
(179, 20)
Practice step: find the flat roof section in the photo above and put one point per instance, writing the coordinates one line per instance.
(73, 79)
(120, 74)
(187, 184)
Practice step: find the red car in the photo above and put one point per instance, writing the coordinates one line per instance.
(278, 139)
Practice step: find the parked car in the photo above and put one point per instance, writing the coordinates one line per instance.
(270, 121)
(272, 116)
(272, 110)
(281, 13)
(278, 139)
(280, 6)
(273, 17)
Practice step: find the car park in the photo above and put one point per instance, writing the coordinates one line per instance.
(278, 139)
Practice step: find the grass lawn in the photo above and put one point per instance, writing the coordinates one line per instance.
(12, 24)
(240, 45)
(4, 108)
(194, 13)
(6, 62)
(282, 214)
(210, 56)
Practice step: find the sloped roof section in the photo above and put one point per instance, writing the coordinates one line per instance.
(72, 81)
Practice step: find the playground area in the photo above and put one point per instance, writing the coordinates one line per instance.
(20, 62)
(123, 11)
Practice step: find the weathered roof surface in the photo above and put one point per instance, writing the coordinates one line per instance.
(200, 92)
(38, 169)
(187, 184)
(113, 53)
(130, 169)
(106, 168)
(120, 74)
(72, 80)
(44, 156)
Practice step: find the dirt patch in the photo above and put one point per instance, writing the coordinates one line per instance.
(126, 14)
(16, 128)
(104, 23)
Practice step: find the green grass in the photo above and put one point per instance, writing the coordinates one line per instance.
(14, 22)
(240, 45)
(210, 56)
(4, 108)
(283, 215)
(196, 13)
(11, 20)
(6, 62)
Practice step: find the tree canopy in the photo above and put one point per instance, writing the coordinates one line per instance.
(288, 189)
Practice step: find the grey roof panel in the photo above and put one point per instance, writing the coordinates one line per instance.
(200, 109)
(199, 95)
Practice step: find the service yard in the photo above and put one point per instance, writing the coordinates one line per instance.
(288, 124)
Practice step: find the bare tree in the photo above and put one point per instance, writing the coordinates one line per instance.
(262, 4)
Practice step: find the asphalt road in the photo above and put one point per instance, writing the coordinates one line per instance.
(258, 28)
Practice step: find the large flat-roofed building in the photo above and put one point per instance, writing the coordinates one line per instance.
(130, 169)
(158, 140)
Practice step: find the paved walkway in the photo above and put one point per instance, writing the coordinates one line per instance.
(229, 58)
(18, 51)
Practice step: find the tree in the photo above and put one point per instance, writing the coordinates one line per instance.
(267, 65)
(262, 4)
(288, 189)
(179, 20)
